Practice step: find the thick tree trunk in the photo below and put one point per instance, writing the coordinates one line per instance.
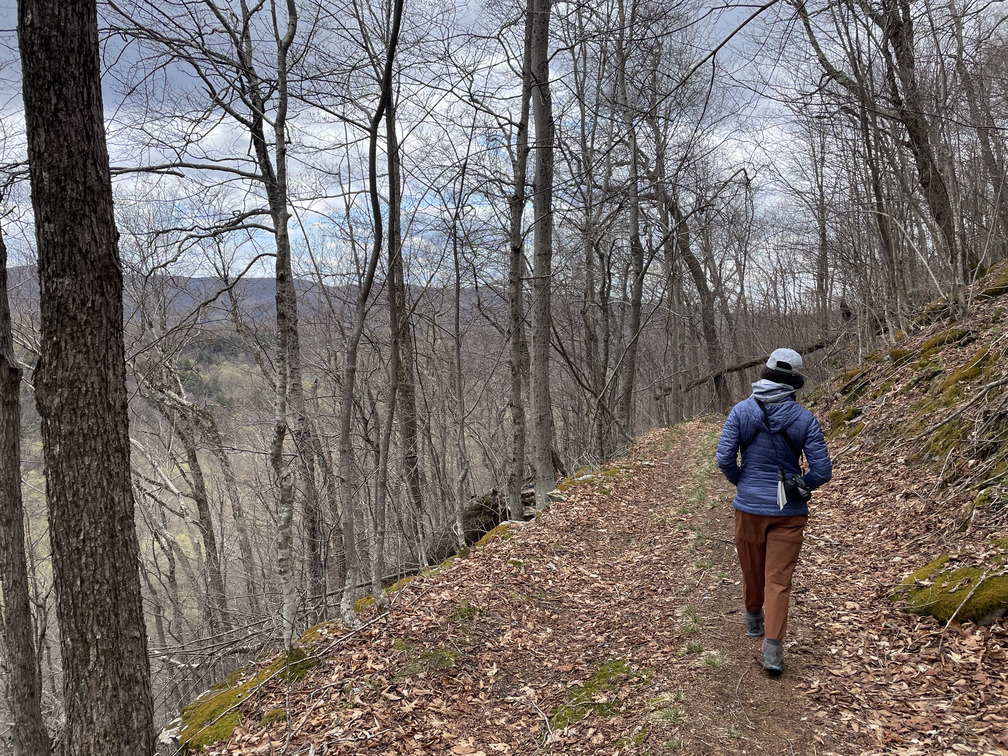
(80, 386)
(542, 206)
(24, 686)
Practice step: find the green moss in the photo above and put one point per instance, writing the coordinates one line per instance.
(501, 531)
(901, 356)
(638, 736)
(465, 613)
(204, 721)
(581, 698)
(970, 594)
(314, 633)
(849, 375)
(840, 417)
(363, 603)
(882, 390)
(947, 437)
(940, 339)
(996, 283)
(970, 370)
(209, 719)
(274, 715)
(292, 666)
(400, 584)
(580, 477)
(855, 430)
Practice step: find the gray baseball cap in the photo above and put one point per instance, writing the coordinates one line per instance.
(786, 361)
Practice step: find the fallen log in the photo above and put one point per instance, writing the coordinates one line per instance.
(752, 362)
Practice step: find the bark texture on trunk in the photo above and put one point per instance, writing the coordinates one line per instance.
(24, 686)
(517, 348)
(625, 408)
(405, 345)
(542, 207)
(80, 385)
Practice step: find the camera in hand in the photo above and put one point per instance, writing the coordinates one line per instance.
(797, 489)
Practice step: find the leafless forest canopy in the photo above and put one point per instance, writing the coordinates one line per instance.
(388, 265)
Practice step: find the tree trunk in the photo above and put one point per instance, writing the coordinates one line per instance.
(517, 348)
(237, 511)
(405, 347)
(542, 207)
(625, 408)
(712, 340)
(357, 330)
(220, 618)
(80, 386)
(24, 686)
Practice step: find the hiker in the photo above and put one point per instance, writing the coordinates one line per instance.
(772, 430)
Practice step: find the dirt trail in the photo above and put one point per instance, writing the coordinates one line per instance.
(614, 626)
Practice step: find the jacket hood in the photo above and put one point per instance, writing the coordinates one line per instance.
(769, 392)
(782, 409)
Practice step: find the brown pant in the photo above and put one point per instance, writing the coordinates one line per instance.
(768, 552)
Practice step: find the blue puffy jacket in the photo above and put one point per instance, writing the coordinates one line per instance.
(762, 454)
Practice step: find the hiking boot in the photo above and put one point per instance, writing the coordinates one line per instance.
(754, 623)
(773, 656)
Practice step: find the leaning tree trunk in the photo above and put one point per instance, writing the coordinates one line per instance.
(80, 386)
(542, 207)
(24, 686)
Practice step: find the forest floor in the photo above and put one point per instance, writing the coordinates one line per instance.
(613, 625)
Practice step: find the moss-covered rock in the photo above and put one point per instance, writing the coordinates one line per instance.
(839, 418)
(901, 356)
(970, 370)
(996, 283)
(214, 715)
(947, 437)
(501, 531)
(314, 634)
(940, 339)
(970, 594)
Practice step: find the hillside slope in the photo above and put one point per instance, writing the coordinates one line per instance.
(613, 624)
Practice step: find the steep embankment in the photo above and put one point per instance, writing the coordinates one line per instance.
(612, 625)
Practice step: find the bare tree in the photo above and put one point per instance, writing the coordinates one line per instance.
(542, 207)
